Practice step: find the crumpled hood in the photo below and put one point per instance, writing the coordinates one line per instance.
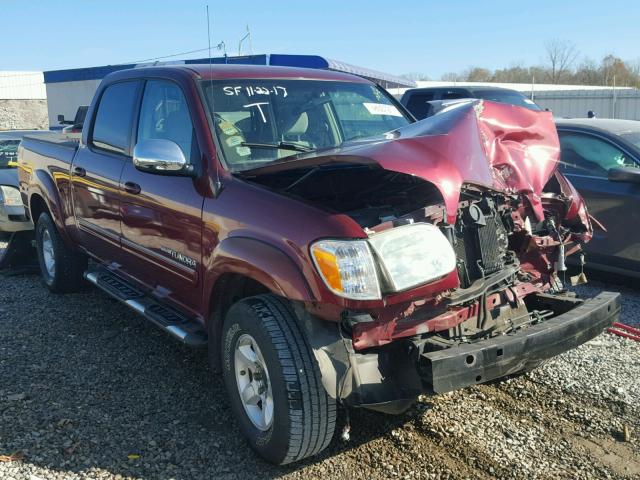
(493, 145)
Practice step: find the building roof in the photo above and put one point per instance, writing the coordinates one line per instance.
(614, 126)
(279, 60)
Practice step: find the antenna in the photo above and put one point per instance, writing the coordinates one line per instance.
(218, 185)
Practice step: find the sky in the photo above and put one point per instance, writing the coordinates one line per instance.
(431, 38)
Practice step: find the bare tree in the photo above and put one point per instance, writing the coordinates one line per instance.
(415, 76)
(561, 55)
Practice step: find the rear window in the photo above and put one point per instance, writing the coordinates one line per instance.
(506, 96)
(112, 128)
(418, 104)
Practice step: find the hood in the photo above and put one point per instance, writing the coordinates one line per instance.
(9, 176)
(493, 145)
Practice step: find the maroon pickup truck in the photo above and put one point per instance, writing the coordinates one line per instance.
(328, 249)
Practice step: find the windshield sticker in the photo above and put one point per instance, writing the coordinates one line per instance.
(228, 128)
(234, 141)
(243, 151)
(382, 109)
(258, 105)
(251, 91)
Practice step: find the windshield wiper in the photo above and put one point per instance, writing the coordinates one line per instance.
(279, 146)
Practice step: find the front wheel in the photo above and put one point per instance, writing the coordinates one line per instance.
(61, 267)
(274, 382)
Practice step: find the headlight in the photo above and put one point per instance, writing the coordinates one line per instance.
(408, 256)
(347, 268)
(413, 254)
(10, 196)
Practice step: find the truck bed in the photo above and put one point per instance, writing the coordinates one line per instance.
(38, 150)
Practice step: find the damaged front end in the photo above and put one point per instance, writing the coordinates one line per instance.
(483, 176)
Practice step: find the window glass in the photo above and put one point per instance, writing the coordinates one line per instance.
(418, 105)
(9, 153)
(455, 94)
(506, 96)
(164, 114)
(112, 127)
(588, 155)
(633, 137)
(260, 121)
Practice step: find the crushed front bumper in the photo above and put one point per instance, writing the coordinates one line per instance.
(497, 357)
(390, 378)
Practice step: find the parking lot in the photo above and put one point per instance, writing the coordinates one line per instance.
(90, 390)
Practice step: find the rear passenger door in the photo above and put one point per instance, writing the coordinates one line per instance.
(96, 170)
(162, 214)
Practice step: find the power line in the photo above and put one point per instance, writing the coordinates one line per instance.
(164, 56)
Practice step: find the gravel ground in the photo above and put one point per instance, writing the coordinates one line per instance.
(90, 390)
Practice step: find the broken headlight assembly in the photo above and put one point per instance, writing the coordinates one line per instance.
(393, 260)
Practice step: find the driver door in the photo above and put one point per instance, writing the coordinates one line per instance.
(162, 213)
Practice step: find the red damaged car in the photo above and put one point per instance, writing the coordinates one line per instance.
(325, 247)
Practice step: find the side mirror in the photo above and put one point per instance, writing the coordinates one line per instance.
(625, 174)
(160, 156)
(60, 118)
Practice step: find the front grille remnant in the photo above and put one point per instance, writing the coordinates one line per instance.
(480, 242)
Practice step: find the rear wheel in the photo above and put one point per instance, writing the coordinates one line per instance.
(60, 266)
(274, 382)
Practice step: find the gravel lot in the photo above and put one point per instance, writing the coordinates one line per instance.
(90, 390)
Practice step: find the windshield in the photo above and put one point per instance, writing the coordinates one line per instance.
(632, 137)
(261, 121)
(505, 96)
(9, 153)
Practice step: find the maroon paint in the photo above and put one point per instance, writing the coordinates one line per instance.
(258, 233)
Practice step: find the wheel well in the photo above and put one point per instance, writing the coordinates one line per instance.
(228, 289)
(37, 206)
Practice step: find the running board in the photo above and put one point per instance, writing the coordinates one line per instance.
(189, 332)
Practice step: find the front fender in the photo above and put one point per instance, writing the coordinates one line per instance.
(261, 262)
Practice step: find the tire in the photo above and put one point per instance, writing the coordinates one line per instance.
(303, 415)
(68, 265)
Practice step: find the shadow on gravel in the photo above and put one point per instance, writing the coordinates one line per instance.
(85, 384)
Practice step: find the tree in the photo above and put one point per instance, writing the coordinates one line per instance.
(415, 76)
(477, 74)
(451, 77)
(561, 55)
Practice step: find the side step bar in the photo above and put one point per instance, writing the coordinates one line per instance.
(188, 331)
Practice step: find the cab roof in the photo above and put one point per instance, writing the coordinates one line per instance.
(222, 72)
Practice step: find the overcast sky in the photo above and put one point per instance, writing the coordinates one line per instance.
(396, 37)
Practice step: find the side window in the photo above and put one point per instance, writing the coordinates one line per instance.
(164, 115)
(418, 105)
(454, 94)
(112, 128)
(588, 155)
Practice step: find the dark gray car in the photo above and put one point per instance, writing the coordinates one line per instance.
(601, 157)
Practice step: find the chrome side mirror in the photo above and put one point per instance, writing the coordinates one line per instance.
(160, 156)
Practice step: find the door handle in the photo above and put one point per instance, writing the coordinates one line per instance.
(79, 172)
(132, 188)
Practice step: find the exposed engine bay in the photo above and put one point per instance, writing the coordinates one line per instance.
(505, 255)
